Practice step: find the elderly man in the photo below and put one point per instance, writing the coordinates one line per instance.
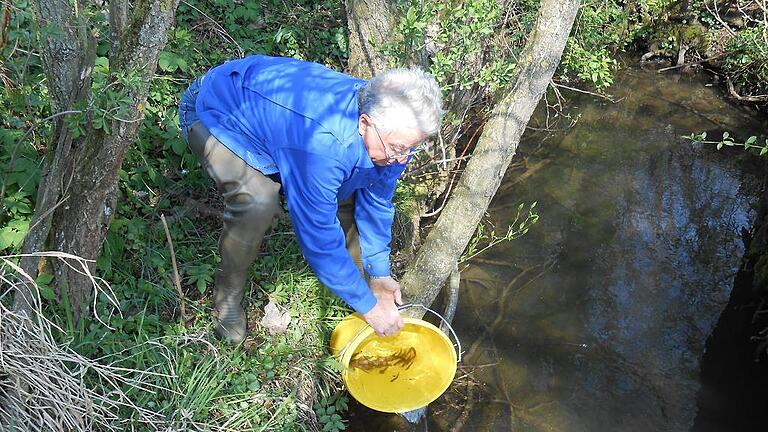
(334, 145)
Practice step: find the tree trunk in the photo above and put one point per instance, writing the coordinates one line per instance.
(370, 23)
(77, 193)
(496, 147)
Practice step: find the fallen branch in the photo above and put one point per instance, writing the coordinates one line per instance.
(750, 98)
(715, 57)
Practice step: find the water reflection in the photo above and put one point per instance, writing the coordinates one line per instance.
(597, 319)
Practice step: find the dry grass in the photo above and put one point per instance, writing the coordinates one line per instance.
(47, 386)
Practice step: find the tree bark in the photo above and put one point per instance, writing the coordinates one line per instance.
(370, 23)
(495, 149)
(77, 195)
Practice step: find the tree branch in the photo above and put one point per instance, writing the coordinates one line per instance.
(498, 143)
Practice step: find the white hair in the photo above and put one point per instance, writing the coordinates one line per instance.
(402, 99)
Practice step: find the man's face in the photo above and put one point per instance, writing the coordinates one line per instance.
(386, 148)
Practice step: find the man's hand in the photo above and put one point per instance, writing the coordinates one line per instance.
(384, 317)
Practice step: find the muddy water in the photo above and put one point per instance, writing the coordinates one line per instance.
(596, 320)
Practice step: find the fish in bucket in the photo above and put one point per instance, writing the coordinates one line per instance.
(399, 373)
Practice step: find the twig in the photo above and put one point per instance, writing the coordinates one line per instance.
(176, 279)
(221, 30)
(715, 57)
(716, 15)
(555, 84)
(732, 91)
(46, 213)
(458, 424)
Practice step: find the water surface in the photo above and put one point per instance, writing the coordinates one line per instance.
(597, 318)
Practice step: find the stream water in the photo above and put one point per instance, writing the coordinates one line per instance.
(597, 318)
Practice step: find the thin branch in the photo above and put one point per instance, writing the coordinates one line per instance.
(715, 57)
(22, 138)
(750, 98)
(176, 280)
(608, 98)
(218, 26)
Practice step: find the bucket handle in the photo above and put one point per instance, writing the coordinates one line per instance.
(402, 308)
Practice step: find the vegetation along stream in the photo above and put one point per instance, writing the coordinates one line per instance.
(597, 319)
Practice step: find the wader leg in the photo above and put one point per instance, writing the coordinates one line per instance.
(251, 202)
(346, 215)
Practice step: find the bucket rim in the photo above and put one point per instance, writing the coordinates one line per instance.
(366, 330)
(412, 405)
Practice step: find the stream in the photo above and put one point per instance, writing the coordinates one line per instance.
(597, 318)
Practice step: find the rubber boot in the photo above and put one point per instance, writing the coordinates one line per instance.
(251, 202)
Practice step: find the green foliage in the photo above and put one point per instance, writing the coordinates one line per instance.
(729, 141)
(22, 140)
(199, 383)
(109, 100)
(457, 34)
(485, 238)
(595, 67)
(601, 29)
(747, 61)
(329, 411)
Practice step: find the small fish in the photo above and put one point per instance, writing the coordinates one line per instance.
(404, 357)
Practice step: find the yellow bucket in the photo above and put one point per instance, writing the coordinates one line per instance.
(397, 373)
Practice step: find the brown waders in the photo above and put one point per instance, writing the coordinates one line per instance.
(251, 201)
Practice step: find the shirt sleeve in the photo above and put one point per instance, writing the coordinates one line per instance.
(374, 213)
(311, 183)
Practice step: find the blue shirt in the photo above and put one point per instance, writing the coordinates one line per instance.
(300, 119)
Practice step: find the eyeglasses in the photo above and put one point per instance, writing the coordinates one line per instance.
(399, 154)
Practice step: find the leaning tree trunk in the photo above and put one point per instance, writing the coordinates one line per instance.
(370, 24)
(77, 192)
(480, 180)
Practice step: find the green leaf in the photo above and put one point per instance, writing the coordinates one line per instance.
(167, 61)
(44, 279)
(763, 151)
(179, 146)
(182, 64)
(13, 233)
(751, 140)
(726, 135)
(719, 145)
(47, 293)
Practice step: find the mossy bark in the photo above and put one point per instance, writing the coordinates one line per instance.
(77, 194)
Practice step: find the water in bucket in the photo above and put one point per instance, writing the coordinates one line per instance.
(398, 373)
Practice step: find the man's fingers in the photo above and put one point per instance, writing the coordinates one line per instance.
(398, 296)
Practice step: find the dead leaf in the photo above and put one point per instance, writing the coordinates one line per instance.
(274, 320)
